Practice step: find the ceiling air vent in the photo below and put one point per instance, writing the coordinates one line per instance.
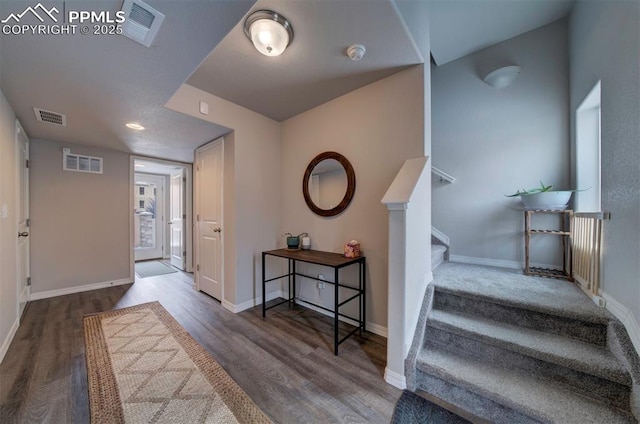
(142, 22)
(50, 117)
(80, 163)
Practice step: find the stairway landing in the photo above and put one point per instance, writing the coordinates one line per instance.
(512, 287)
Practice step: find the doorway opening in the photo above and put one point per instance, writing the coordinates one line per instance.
(161, 202)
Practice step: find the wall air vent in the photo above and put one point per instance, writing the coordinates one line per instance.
(142, 22)
(50, 117)
(80, 163)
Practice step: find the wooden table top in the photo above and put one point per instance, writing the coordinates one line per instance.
(318, 257)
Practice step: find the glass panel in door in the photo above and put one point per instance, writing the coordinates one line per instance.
(147, 218)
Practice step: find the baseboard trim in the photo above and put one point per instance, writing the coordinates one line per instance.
(440, 236)
(395, 379)
(78, 289)
(499, 263)
(7, 341)
(371, 326)
(249, 303)
(626, 317)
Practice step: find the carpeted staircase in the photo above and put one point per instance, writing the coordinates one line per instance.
(514, 349)
(438, 253)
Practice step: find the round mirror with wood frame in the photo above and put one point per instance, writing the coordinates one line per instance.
(350, 189)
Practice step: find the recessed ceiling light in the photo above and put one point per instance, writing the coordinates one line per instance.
(135, 126)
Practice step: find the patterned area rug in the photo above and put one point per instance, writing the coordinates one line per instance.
(143, 367)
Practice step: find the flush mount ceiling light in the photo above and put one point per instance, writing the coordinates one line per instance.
(135, 126)
(502, 77)
(269, 32)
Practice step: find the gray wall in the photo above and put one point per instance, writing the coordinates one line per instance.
(605, 45)
(8, 226)
(80, 221)
(495, 141)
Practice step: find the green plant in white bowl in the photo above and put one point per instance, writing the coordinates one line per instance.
(544, 197)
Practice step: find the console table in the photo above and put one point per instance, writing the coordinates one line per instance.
(328, 259)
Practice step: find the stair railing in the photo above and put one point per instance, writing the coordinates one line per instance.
(587, 250)
(442, 176)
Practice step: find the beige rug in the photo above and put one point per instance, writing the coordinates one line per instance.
(143, 367)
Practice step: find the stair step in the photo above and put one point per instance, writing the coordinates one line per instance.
(437, 254)
(559, 350)
(512, 288)
(516, 390)
(502, 310)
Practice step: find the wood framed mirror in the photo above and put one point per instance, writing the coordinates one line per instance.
(328, 184)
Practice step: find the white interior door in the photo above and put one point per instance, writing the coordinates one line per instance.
(22, 158)
(177, 220)
(148, 216)
(209, 173)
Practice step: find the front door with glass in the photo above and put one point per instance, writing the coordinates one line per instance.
(148, 216)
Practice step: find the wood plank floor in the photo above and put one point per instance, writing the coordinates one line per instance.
(285, 363)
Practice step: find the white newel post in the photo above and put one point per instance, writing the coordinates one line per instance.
(407, 199)
(394, 371)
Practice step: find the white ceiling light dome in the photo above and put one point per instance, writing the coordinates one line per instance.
(269, 32)
(502, 77)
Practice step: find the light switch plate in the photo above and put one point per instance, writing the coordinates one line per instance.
(4, 211)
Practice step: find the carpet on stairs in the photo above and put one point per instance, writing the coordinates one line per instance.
(511, 348)
(414, 409)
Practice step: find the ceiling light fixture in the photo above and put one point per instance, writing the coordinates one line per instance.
(135, 126)
(269, 31)
(356, 52)
(502, 77)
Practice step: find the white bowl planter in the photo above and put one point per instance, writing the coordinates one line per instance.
(546, 200)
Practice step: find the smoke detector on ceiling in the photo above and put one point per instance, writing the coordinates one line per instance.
(356, 52)
(142, 22)
(50, 117)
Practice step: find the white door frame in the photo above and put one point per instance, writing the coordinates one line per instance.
(179, 221)
(196, 280)
(189, 210)
(22, 274)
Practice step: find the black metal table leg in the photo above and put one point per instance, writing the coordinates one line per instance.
(264, 277)
(364, 297)
(336, 310)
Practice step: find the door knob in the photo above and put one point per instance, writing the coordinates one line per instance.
(23, 234)
(217, 230)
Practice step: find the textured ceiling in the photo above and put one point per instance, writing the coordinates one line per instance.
(314, 68)
(103, 81)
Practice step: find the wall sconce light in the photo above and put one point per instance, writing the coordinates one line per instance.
(502, 77)
(269, 32)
